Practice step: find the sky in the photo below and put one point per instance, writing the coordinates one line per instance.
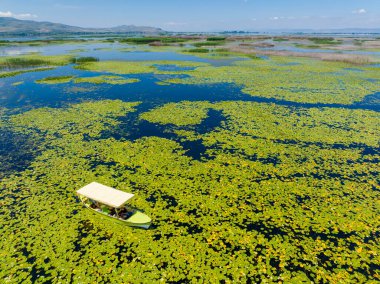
(201, 15)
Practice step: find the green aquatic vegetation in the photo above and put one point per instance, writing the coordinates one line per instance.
(269, 202)
(78, 50)
(312, 46)
(55, 80)
(18, 83)
(78, 60)
(104, 79)
(216, 38)
(268, 122)
(78, 119)
(315, 125)
(3, 112)
(117, 67)
(15, 73)
(311, 81)
(113, 80)
(177, 63)
(280, 39)
(221, 50)
(198, 50)
(132, 67)
(208, 43)
(21, 63)
(185, 113)
(161, 83)
(33, 60)
(327, 40)
(218, 54)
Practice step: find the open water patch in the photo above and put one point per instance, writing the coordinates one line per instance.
(17, 151)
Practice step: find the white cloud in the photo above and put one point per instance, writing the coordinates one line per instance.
(17, 16)
(274, 18)
(5, 14)
(360, 11)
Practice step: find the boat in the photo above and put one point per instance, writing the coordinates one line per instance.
(111, 202)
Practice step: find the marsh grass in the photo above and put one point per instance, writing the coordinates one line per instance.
(31, 61)
(327, 40)
(280, 39)
(198, 50)
(13, 63)
(311, 46)
(216, 38)
(208, 43)
(84, 59)
(221, 50)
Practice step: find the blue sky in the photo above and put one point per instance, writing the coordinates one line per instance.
(201, 15)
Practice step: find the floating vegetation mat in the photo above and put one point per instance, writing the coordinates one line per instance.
(238, 191)
(104, 79)
(279, 193)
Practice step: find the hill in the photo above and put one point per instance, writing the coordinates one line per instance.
(11, 26)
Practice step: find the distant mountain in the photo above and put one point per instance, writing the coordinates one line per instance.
(11, 26)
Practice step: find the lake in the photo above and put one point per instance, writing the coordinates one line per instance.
(250, 168)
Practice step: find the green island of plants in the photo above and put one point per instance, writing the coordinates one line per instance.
(55, 80)
(198, 50)
(325, 40)
(103, 79)
(113, 80)
(13, 66)
(133, 67)
(186, 113)
(18, 83)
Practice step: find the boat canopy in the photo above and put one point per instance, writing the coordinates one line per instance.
(105, 194)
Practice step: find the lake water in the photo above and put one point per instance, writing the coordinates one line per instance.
(186, 189)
